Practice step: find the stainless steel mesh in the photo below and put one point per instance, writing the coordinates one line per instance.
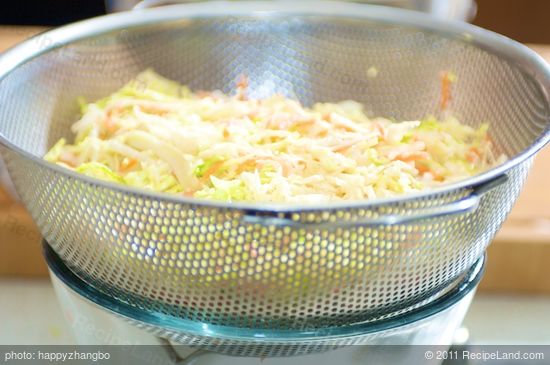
(431, 322)
(404, 327)
(262, 266)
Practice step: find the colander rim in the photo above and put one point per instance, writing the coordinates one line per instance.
(466, 286)
(485, 39)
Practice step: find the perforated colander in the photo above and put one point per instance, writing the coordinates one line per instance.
(266, 265)
(432, 322)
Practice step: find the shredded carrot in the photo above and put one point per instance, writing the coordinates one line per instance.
(203, 94)
(242, 82)
(109, 124)
(473, 155)
(422, 167)
(242, 86)
(446, 81)
(128, 164)
(304, 123)
(286, 166)
(342, 148)
(155, 110)
(418, 158)
(246, 165)
(438, 177)
(380, 130)
(212, 170)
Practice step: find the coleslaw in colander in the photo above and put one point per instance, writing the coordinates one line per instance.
(156, 134)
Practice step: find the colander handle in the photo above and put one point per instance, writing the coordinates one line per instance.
(467, 204)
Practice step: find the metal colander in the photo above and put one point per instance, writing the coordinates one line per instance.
(425, 323)
(267, 265)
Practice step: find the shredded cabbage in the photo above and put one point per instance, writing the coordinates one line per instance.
(100, 171)
(156, 134)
